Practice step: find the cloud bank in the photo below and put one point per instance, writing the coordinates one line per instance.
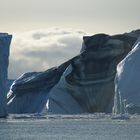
(39, 50)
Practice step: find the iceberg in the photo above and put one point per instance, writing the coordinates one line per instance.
(83, 84)
(30, 92)
(5, 41)
(127, 83)
(87, 85)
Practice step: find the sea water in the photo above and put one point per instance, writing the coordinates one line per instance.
(70, 127)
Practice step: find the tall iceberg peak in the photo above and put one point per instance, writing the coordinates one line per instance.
(5, 40)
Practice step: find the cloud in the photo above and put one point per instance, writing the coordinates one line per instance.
(39, 50)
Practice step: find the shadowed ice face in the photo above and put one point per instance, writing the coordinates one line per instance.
(98, 63)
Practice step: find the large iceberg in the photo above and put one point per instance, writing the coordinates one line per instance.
(81, 85)
(5, 41)
(127, 81)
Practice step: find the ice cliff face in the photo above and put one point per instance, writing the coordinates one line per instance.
(83, 84)
(127, 81)
(30, 92)
(5, 41)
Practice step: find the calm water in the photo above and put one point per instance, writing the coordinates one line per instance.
(86, 127)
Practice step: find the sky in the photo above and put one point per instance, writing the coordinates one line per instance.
(111, 16)
(46, 33)
(38, 50)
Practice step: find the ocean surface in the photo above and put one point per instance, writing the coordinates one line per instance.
(70, 127)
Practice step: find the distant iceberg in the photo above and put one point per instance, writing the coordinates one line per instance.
(5, 41)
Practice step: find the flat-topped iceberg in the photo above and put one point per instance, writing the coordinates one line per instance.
(5, 41)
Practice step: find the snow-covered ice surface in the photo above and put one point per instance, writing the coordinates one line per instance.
(70, 127)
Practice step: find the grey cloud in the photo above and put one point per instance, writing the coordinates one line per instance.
(39, 50)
